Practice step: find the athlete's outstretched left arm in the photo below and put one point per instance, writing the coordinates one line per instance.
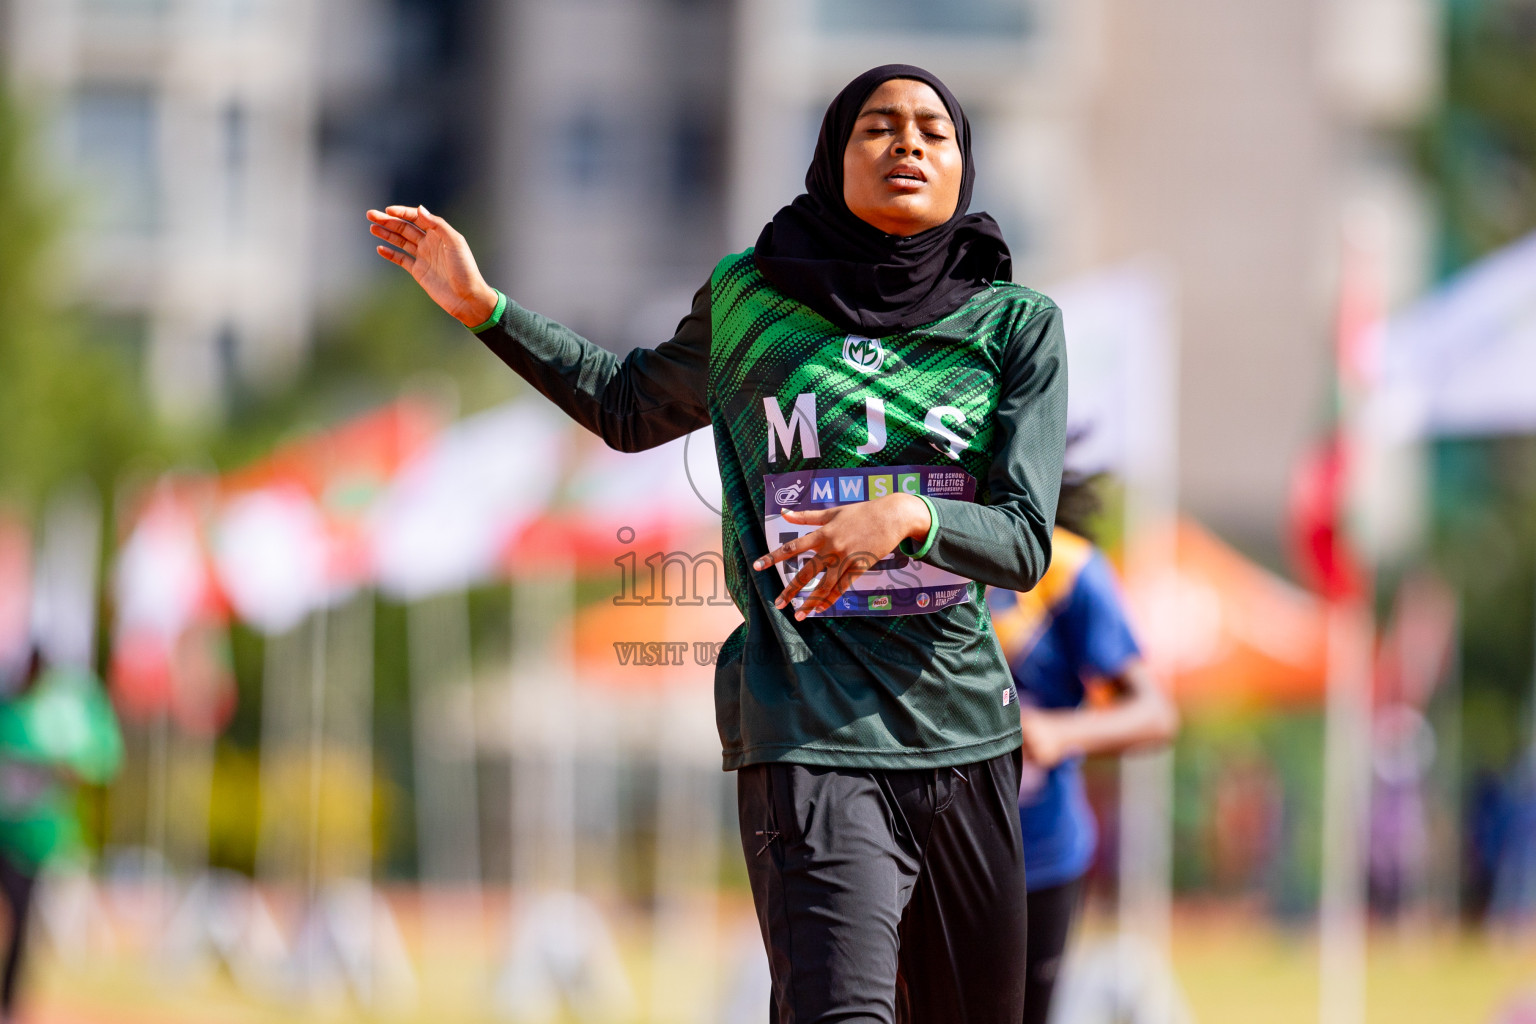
(648, 398)
(1006, 542)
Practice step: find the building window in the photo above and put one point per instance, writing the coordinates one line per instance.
(226, 350)
(116, 155)
(236, 131)
(693, 160)
(587, 149)
(1009, 18)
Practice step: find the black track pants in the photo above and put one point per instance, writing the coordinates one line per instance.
(1050, 923)
(888, 897)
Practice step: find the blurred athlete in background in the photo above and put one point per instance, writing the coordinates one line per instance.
(57, 728)
(1083, 689)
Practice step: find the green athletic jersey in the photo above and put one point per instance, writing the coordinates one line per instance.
(968, 411)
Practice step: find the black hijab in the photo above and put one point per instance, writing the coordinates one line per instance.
(863, 280)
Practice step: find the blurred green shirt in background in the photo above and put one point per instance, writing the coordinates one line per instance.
(60, 731)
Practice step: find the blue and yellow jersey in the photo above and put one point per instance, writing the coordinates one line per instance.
(1069, 630)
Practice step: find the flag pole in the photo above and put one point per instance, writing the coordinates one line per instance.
(1150, 524)
(1350, 647)
(317, 684)
(1346, 779)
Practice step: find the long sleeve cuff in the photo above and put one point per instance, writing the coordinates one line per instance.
(495, 317)
(905, 547)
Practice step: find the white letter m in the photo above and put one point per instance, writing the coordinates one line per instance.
(802, 424)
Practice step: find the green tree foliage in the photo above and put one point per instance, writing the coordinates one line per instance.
(71, 406)
(73, 397)
(1479, 146)
(1485, 544)
(1478, 152)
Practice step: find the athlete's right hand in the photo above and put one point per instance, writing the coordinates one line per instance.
(438, 258)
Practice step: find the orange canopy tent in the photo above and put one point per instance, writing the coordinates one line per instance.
(1223, 631)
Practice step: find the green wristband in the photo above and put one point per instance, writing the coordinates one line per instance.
(905, 547)
(495, 318)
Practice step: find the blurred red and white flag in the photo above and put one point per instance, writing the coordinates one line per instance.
(273, 551)
(609, 502)
(170, 631)
(291, 536)
(446, 518)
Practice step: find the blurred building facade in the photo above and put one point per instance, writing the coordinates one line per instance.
(1238, 144)
(609, 177)
(602, 155)
(186, 131)
(219, 153)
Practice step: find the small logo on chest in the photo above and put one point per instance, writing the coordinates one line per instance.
(863, 354)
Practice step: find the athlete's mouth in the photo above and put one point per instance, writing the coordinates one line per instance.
(906, 175)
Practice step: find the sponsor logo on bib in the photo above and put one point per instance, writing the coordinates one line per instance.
(923, 599)
(880, 602)
(789, 494)
(863, 354)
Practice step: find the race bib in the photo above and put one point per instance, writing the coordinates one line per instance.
(895, 585)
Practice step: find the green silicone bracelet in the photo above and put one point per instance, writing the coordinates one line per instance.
(495, 318)
(905, 547)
